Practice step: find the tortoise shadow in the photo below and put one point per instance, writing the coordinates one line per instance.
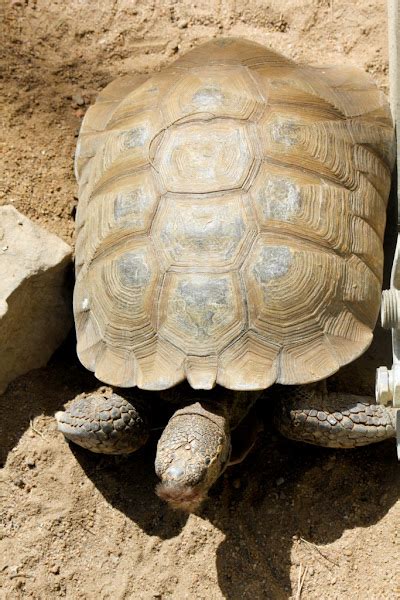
(290, 494)
(286, 493)
(128, 484)
(41, 392)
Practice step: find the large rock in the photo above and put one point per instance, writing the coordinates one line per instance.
(35, 300)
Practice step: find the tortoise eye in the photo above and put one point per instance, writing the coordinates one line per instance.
(207, 460)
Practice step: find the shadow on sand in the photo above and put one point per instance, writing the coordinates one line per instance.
(282, 493)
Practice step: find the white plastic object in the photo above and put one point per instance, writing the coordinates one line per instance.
(387, 388)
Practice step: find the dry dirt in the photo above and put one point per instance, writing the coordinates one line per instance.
(77, 525)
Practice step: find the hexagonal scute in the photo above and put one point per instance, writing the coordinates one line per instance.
(213, 156)
(201, 313)
(214, 91)
(296, 204)
(134, 203)
(113, 302)
(296, 301)
(276, 196)
(123, 153)
(287, 282)
(325, 149)
(135, 135)
(206, 233)
(126, 210)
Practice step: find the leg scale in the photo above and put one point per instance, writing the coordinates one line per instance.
(104, 422)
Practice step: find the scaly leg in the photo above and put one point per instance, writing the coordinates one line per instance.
(308, 413)
(105, 422)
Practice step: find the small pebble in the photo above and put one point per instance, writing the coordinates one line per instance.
(55, 569)
(13, 571)
(78, 99)
(280, 481)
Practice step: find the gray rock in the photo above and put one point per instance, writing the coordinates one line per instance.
(35, 301)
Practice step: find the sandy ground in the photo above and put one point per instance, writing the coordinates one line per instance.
(83, 526)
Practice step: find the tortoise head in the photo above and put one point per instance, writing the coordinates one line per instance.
(192, 452)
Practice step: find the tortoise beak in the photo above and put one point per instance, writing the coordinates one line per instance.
(175, 472)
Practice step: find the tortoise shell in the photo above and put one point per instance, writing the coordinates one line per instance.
(230, 221)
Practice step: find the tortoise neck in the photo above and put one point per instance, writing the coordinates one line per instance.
(218, 403)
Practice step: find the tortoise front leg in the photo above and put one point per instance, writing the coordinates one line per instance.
(104, 422)
(310, 414)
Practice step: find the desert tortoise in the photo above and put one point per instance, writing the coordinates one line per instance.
(229, 233)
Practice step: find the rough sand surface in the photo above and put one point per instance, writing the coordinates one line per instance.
(83, 526)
